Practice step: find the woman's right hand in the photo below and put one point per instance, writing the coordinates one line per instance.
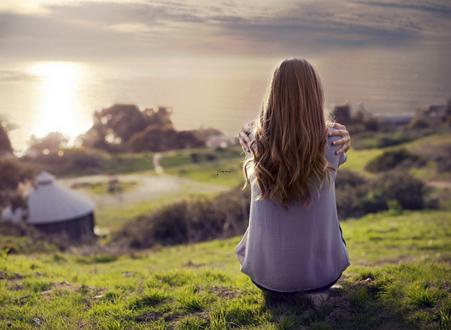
(245, 136)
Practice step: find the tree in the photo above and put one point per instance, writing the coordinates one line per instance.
(50, 144)
(116, 126)
(5, 143)
(342, 114)
(12, 173)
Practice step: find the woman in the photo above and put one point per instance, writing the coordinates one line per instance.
(293, 243)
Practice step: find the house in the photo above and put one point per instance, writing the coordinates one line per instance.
(55, 209)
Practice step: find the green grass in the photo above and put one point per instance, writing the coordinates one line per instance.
(127, 162)
(399, 279)
(432, 141)
(113, 218)
(198, 155)
(226, 172)
(229, 171)
(222, 167)
(357, 160)
(103, 187)
(226, 169)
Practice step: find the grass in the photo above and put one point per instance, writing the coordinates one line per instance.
(103, 187)
(113, 218)
(222, 167)
(226, 172)
(357, 160)
(199, 155)
(399, 279)
(127, 162)
(226, 169)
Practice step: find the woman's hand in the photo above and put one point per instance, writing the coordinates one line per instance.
(341, 131)
(245, 136)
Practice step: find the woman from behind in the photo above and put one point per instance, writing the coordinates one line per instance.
(293, 243)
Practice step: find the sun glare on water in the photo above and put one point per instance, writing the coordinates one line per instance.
(57, 104)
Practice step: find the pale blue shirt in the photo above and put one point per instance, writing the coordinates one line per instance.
(299, 248)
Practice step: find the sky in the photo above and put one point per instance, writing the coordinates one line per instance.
(112, 30)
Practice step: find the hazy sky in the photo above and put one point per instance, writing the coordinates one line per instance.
(137, 29)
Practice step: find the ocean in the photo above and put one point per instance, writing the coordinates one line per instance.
(43, 96)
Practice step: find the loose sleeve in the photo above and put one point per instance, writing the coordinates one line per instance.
(342, 159)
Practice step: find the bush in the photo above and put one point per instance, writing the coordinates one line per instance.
(12, 174)
(393, 159)
(189, 221)
(444, 161)
(69, 161)
(227, 214)
(384, 138)
(348, 179)
(404, 188)
(357, 196)
(351, 190)
(19, 238)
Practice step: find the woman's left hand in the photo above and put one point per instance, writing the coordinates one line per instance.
(245, 136)
(345, 142)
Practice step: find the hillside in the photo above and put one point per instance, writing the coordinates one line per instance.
(399, 279)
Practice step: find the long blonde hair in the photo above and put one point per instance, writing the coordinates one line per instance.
(290, 136)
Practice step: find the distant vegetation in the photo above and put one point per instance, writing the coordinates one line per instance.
(121, 139)
(226, 215)
(357, 196)
(399, 158)
(12, 174)
(123, 127)
(370, 131)
(5, 143)
(83, 161)
(189, 221)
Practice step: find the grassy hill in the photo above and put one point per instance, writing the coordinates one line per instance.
(399, 279)
(225, 167)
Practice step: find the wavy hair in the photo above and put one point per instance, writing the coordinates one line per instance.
(290, 136)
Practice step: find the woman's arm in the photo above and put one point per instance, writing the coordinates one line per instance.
(344, 142)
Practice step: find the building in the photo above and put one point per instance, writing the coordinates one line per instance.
(55, 209)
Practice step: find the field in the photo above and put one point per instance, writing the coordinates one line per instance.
(214, 170)
(399, 279)
(399, 276)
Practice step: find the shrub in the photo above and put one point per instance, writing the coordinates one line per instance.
(226, 215)
(444, 161)
(351, 190)
(19, 238)
(73, 161)
(357, 196)
(402, 187)
(189, 221)
(393, 159)
(348, 179)
(12, 174)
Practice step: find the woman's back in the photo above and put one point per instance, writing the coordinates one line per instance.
(296, 248)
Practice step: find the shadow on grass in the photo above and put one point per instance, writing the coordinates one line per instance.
(354, 306)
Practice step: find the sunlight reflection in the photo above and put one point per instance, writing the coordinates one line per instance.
(58, 98)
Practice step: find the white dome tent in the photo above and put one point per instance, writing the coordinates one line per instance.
(55, 209)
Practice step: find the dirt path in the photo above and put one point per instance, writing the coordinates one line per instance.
(148, 187)
(439, 184)
(156, 163)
